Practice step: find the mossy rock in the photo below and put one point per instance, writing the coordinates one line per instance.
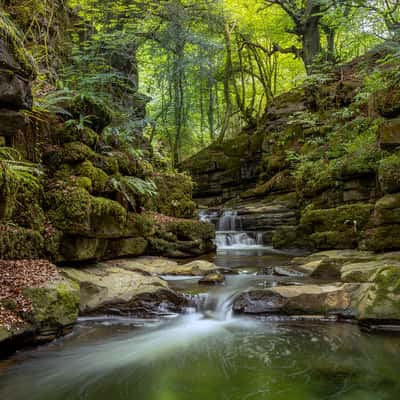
(69, 153)
(381, 238)
(389, 173)
(131, 247)
(97, 114)
(388, 102)
(389, 134)
(79, 248)
(20, 243)
(69, 208)
(107, 218)
(286, 237)
(354, 216)
(28, 212)
(387, 210)
(54, 306)
(380, 300)
(191, 230)
(9, 187)
(174, 196)
(139, 225)
(107, 163)
(98, 177)
(334, 240)
(68, 134)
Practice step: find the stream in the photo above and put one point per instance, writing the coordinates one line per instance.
(209, 354)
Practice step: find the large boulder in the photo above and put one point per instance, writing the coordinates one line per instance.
(332, 299)
(389, 134)
(110, 289)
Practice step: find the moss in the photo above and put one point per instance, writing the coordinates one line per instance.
(139, 225)
(98, 178)
(55, 305)
(334, 240)
(389, 136)
(353, 217)
(174, 195)
(132, 247)
(78, 248)
(76, 152)
(84, 182)
(28, 211)
(388, 102)
(69, 208)
(191, 229)
(98, 114)
(20, 243)
(107, 163)
(389, 173)
(9, 186)
(68, 134)
(13, 39)
(108, 218)
(286, 237)
(381, 238)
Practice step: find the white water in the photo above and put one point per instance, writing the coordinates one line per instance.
(230, 234)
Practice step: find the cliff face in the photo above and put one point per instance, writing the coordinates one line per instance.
(325, 154)
(87, 198)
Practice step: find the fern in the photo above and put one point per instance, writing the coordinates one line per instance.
(131, 186)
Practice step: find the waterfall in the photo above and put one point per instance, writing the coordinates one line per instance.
(230, 233)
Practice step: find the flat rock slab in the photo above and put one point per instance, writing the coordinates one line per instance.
(334, 299)
(106, 288)
(159, 266)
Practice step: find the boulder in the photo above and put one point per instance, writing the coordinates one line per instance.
(333, 299)
(389, 134)
(366, 271)
(110, 289)
(11, 121)
(215, 278)
(159, 266)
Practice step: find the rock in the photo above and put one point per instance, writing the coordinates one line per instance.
(334, 299)
(12, 122)
(163, 266)
(388, 102)
(366, 271)
(215, 278)
(291, 273)
(382, 238)
(107, 288)
(389, 134)
(126, 247)
(388, 173)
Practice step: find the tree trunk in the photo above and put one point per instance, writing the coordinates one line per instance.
(311, 39)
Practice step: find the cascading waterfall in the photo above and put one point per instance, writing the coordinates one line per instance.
(230, 233)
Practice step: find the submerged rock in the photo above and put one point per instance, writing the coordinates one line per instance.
(215, 278)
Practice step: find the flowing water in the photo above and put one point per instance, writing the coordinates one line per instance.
(208, 354)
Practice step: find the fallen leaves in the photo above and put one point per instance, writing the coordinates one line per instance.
(14, 277)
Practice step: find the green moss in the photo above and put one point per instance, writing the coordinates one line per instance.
(334, 240)
(353, 217)
(68, 134)
(55, 305)
(20, 243)
(69, 208)
(78, 248)
(107, 163)
(98, 115)
(286, 237)
(76, 152)
(389, 173)
(131, 247)
(13, 39)
(9, 186)
(98, 178)
(84, 182)
(381, 238)
(139, 225)
(174, 195)
(191, 230)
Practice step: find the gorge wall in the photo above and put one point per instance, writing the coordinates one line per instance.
(320, 172)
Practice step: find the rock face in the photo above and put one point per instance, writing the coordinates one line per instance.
(119, 290)
(365, 288)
